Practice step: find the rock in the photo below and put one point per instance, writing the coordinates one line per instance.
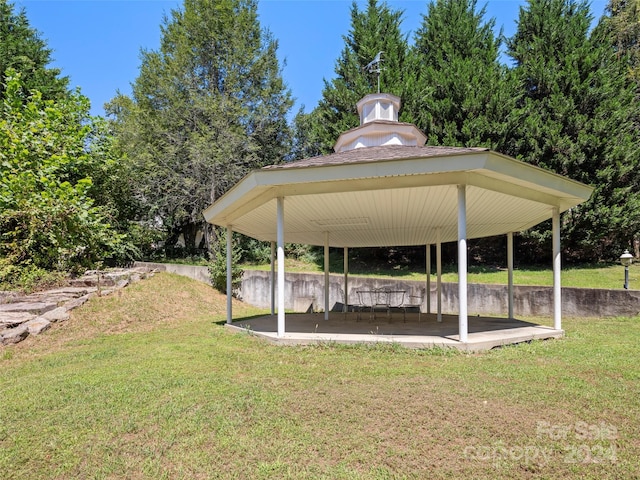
(91, 281)
(38, 325)
(59, 314)
(15, 318)
(36, 308)
(6, 297)
(75, 303)
(15, 335)
(21, 315)
(68, 291)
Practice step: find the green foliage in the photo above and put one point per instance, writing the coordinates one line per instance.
(254, 251)
(622, 26)
(209, 106)
(22, 50)
(47, 218)
(376, 29)
(458, 93)
(578, 117)
(218, 265)
(28, 278)
(306, 141)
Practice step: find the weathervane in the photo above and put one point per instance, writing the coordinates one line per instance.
(374, 67)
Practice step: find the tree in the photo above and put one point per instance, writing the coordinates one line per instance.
(209, 106)
(577, 117)
(458, 93)
(22, 50)
(305, 141)
(48, 220)
(622, 25)
(377, 29)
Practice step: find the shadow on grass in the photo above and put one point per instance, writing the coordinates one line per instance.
(241, 319)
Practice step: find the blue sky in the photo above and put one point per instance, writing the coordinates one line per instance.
(97, 42)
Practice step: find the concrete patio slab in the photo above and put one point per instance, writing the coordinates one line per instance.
(413, 332)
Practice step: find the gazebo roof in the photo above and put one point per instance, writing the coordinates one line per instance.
(394, 195)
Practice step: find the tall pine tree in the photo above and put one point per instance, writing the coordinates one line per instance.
(458, 92)
(577, 118)
(209, 106)
(376, 29)
(22, 50)
(622, 26)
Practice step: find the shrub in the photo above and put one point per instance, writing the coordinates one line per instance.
(218, 267)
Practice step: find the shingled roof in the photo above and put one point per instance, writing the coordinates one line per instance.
(375, 154)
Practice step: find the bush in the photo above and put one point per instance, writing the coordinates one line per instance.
(48, 221)
(218, 267)
(28, 278)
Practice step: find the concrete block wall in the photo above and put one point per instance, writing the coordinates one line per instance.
(482, 299)
(192, 271)
(305, 291)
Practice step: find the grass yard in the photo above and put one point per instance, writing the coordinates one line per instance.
(150, 385)
(603, 276)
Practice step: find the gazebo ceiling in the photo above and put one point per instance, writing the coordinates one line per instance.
(394, 195)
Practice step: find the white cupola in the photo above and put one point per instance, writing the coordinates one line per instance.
(379, 126)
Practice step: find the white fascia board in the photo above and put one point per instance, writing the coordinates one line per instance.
(488, 180)
(539, 178)
(241, 192)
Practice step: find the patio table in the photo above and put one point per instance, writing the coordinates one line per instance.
(380, 298)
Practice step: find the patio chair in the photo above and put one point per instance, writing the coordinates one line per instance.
(414, 301)
(381, 300)
(395, 301)
(354, 305)
(373, 300)
(364, 301)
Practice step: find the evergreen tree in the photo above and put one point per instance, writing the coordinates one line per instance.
(458, 92)
(209, 106)
(22, 50)
(377, 29)
(577, 117)
(622, 25)
(305, 141)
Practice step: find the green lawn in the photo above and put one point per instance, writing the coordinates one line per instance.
(150, 385)
(609, 276)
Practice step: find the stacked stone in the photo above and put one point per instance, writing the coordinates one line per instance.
(24, 315)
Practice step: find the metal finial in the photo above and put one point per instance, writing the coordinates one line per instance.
(374, 67)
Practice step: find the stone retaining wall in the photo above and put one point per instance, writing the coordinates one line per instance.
(304, 291)
(24, 315)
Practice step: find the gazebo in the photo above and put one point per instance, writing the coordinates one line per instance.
(383, 187)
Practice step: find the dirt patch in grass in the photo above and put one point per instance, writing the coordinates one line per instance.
(423, 429)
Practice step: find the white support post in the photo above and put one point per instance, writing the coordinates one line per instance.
(510, 272)
(439, 276)
(427, 291)
(346, 280)
(557, 289)
(273, 278)
(229, 273)
(326, 275)
(280, 238)
(462, 263)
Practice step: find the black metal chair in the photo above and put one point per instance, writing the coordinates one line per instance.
(414, 301)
